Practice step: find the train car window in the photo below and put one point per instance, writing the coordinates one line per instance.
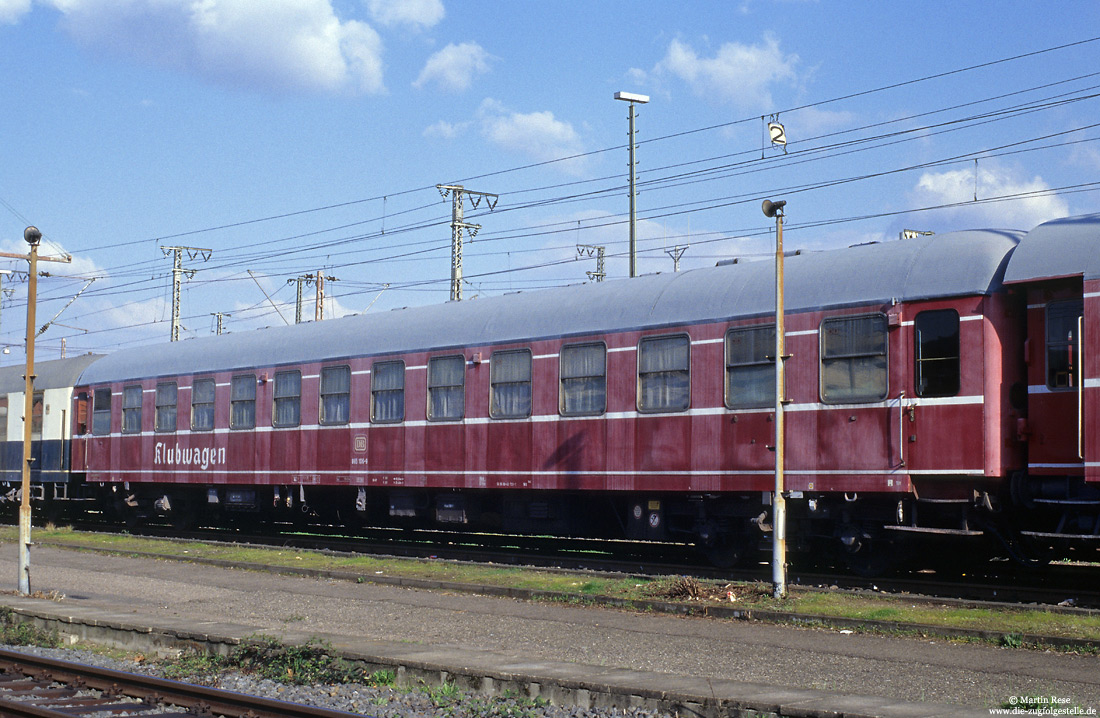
(131, 410)
(664, 373)
(853, 359)
(510, 384)
(167, 394)
(287, 410)
(446, 388)
(202, 405)
(38, 401)
(242, 402)
(3, 418)
(101, 411)
(387, 392)
(937, 353)
(335, 395)
(750, 367)
(583, 390)
(1062, 369)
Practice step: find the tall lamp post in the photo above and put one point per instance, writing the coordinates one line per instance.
(633, 99)
(779, 506)
(32, 237)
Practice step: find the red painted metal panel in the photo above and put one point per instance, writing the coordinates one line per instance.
(445, 454)
(241, 453)
(1092, 380)
(709, 448)
(580, 450)
(386, 450)
(334, 450)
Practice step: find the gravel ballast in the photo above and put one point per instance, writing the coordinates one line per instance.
(381, 702)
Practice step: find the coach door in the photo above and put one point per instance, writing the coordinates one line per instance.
(1056, 392)
(939, 422)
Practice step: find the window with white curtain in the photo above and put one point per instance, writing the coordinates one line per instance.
(583, 390)
(750, 372)
(131, 410)
(242, 402)
(202, 405)
(166, 406)
(664, 373)
(387, 392)
(335, 395)
(446, 388)
(287, 410)
(853, 359)
(510, 384)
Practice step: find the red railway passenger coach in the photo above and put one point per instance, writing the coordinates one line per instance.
(928, 397)
(639, 407)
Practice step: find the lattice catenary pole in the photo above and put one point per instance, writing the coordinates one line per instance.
(456, 192)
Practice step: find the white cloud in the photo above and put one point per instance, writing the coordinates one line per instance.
(278, 44)
(741, 75)
(994, 181)
(812, 121)
(539, 135)
(11, 11)
(453, 68)
(446, 130)
(1085, 156)
(419, 13)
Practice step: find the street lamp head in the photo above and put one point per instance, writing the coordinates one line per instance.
(773, 208)
(32, 235)
(632, 97)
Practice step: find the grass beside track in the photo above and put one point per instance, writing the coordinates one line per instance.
(902, 614)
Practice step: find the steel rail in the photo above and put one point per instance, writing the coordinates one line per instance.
(994, 583)
(988, 582)
(39, 687)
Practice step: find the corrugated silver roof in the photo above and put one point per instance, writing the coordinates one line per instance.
(51, 374)
(956, 264)
(1064, 247)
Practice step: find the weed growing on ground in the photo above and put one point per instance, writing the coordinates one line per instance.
(444, 695)
(17, 633)
(309, 663)
(190, 664)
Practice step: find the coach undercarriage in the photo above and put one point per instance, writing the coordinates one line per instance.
(1061, 515)
(1036, 518)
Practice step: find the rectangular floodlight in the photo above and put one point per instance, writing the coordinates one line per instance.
(632, 97)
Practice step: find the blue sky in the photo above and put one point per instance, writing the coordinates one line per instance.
(290, 136)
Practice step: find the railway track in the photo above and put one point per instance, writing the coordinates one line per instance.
(37, 687)
(1000, 582)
